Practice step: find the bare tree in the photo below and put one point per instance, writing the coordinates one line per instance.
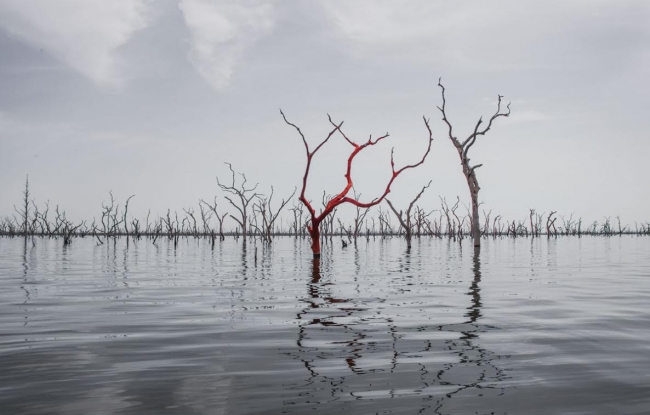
(486, 226)
(405, 218)
(297, 217)
(24, 213)
(264, 209)
(190, 212)
(360, 216)
(422, 221)
(245, 196)
(126, 210)
(206, 215)
(550, 224)
(460, 223)
(385, 227)
(220, 218)
(532, 226)
(342, 197)
(463, 148)
(110, 223)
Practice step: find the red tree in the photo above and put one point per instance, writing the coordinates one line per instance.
(340, 198)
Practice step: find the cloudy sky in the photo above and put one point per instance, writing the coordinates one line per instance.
(151, 97)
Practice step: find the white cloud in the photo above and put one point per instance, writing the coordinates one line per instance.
(477, 34)
(83, 33)
(221, 32)
(425, 30)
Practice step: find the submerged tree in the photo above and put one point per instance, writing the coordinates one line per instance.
(342, 197)
(463, 148)
(24, 214)
(245, 196)
(406, 218)
(268, 217)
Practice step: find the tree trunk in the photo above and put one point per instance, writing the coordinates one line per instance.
(476, 228)
(314, 233)
(463, 148)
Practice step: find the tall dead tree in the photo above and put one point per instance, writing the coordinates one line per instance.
(245, 196)
(463, 148)
(342, 197)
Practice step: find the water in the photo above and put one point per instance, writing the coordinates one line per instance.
(526, 327)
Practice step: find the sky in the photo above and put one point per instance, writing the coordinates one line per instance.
(151, 98)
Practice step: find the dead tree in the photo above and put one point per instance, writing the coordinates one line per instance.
(360, 216)
(433, 227)
(110, 224)
(327, 226)
(206, 215)
(405, 218)
(342, 197)
(468, 170)
(458, 221)
(550, 224)
(190, 212)
(244, 195)
(568, 223)
(24, 213)
(385, 227)
(220, 218)
(486, 226)
(126, 210)
(297, 218)
(343, 231)
(35, 220)
(422, 221)
(606, 229)
(444, 209)
(264, 209)
(623, 229)
(496, 230)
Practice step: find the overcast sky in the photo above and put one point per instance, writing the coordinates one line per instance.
(151, 97)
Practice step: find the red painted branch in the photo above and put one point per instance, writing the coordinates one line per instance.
(340, 198)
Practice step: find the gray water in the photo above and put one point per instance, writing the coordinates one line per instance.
(543, 326)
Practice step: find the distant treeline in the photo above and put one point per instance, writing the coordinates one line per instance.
(250, 214)
(255, 218)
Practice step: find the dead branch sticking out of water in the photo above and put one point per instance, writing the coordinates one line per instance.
(342, 197)
(244, 195)
(463, 149)
(405, 218)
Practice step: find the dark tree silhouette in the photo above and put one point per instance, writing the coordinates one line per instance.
(406, 218)
(220, 217)
(245, 196)
(342, 197)
(268, 216)
(463, 148)
(24, 214)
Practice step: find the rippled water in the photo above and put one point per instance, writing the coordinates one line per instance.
(525, 327)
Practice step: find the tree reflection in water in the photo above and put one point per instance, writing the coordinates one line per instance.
(356, 357)
(476, 374)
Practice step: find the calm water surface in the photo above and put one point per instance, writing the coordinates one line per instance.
(525, 327)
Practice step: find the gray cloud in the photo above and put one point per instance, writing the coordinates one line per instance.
(575, 72)
(86, 34)
(221, 33)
